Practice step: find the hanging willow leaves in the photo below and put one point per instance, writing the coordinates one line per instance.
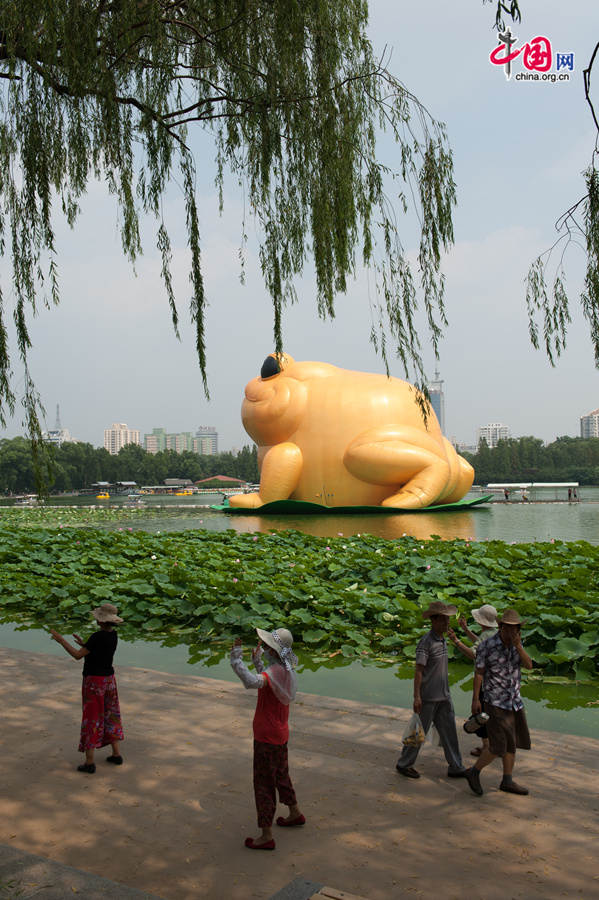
(577, 227)
(291, 97)
(547, 300)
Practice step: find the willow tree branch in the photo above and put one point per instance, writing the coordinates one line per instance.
(587, 85)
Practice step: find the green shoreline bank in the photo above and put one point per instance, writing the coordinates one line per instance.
(562, 708)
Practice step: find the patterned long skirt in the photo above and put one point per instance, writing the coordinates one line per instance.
(101, 719)
(271, 774)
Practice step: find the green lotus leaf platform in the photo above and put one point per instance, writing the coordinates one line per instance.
(305, 508)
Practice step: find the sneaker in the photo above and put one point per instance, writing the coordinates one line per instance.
(87, 767)
(513, 788)
(472, 776)
(408, 771)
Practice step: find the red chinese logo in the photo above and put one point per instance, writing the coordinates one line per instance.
(498, 60)
(537, 55)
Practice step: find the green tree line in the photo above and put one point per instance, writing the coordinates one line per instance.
(78, 465)
(528, 459)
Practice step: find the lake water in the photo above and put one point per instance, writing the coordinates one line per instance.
(568, 708)
(511, 521)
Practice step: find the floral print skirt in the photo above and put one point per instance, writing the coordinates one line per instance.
(101, 719)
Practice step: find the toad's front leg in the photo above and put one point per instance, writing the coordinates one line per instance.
(279, 475)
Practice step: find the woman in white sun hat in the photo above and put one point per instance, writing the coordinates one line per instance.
(486, 617)
(276, 685)
(101, 717)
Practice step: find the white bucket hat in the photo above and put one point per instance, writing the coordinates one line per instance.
(281, 641)
(106, 613)
(485, 616)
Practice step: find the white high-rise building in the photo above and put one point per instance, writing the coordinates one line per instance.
(493, 433)
(206, 440)
(437, 395)
(589, 425)
(119, 435)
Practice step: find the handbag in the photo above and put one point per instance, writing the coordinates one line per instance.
(475, 722)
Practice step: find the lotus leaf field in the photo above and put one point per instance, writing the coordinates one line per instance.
(62, 516)
(344, 598)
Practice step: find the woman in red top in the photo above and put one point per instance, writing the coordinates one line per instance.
(276, 686)
(101, 719)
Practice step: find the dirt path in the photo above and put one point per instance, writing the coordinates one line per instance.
(172, 820)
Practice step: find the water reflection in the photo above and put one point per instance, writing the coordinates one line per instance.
(446, 525)
(498, 521)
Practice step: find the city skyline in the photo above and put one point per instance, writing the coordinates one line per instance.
(204, 441)
(119, 435)
(108, 353)
(437, 401)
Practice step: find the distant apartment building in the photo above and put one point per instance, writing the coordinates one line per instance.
(203, 446)
(589, 425)
(119, 435)
(180, 442)
(155, 442)
(435, 389)
(207, 440)
(493, 433)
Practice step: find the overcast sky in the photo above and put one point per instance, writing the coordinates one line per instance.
(108, 353)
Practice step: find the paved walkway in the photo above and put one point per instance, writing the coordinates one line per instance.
(24, 876)
(172, 820)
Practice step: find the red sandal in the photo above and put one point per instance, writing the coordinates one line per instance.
(284, 823)
(268, 845)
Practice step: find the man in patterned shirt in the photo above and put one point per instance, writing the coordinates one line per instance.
(497, 667)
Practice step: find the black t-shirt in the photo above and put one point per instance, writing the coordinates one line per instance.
(101, 646)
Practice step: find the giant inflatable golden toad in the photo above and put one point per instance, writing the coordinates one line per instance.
(343, 438)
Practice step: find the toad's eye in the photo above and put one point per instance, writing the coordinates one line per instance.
(270, 367)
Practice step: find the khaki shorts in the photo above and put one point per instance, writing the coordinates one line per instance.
(507, 730)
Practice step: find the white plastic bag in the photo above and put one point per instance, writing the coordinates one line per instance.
(434, 737)
(414, 735)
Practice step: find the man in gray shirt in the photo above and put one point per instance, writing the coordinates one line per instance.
(432, 700)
